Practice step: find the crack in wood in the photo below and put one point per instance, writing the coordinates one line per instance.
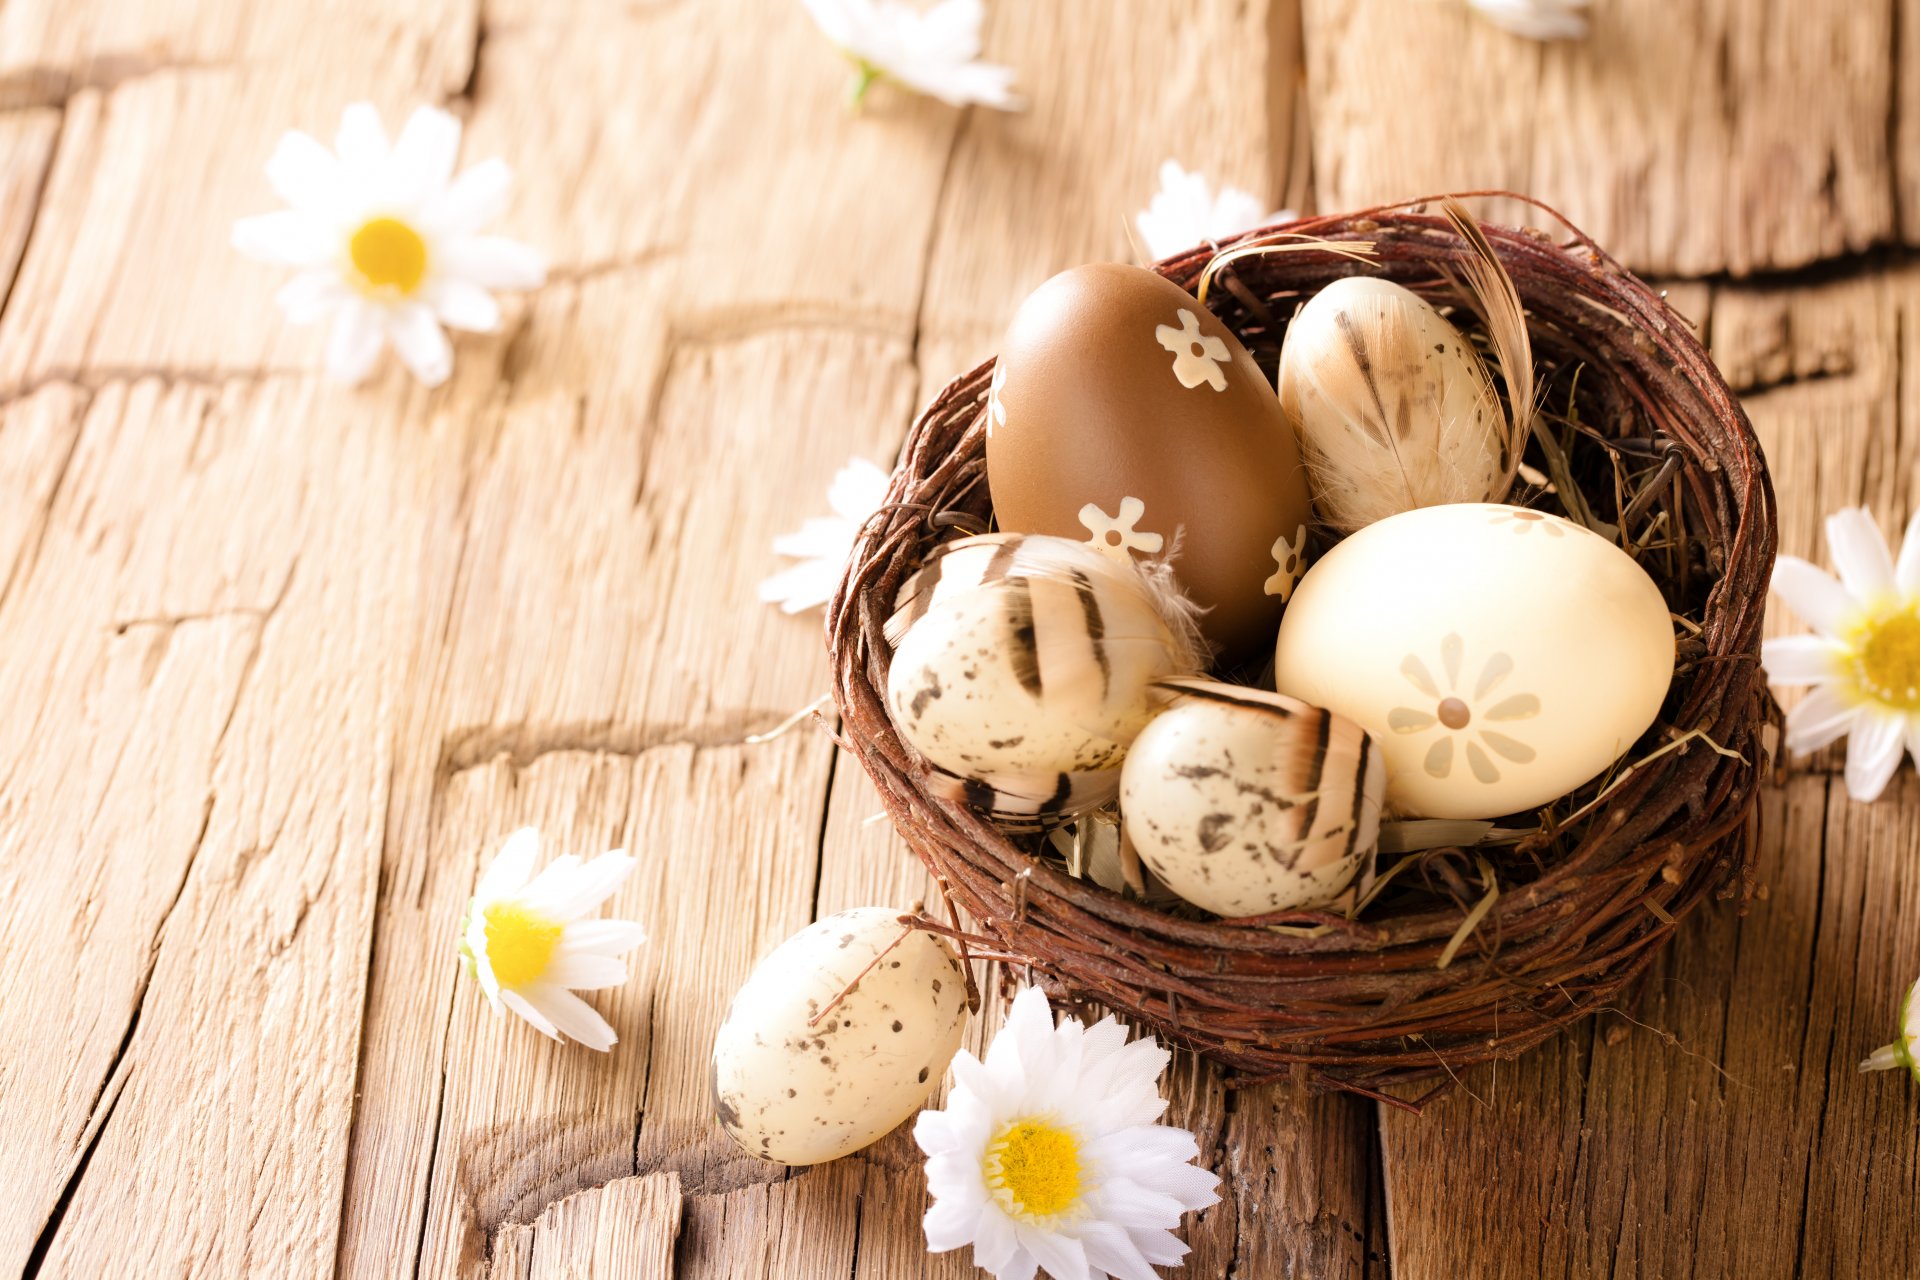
(520, 745)
(43, 85)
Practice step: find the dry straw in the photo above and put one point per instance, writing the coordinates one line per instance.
(1464, 953)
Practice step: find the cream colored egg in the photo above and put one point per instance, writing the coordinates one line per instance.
(799, 1093)
(1393, 408)
(1025, 664)
(1246, 802)
(1502, 657)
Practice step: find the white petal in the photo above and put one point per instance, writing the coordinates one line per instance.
(494, 262)
(818, 538)
(361, 142)
(806, 585)
(1812, 593)
(858, 490)
(526, 1009)
(1874, 751)
(511, 868)
(1112, 1250)
(288, 237)
(475, 199)
(423, 157)
(1906, 571)
(303, 172)
(994, 1242)
(584, 971)
(833, 19)
(572, 1016)
(1798, 660)
(950, 1223)
(1859, 553)
(358, 334)
(1060, 1255)
(421, 342)
(583, 890)
(607, 937)
(312, 294)
(462, 305)
(1820, 718)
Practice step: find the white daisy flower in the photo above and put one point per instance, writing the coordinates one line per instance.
(1047, 1154)
(1864, 663)
(386, 239)
(526, 941)
(823, 543)
(1904, 1052)
(1186, 211)
(935, 52)
(1536, 19)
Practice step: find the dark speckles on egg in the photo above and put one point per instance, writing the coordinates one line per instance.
(800, 1094)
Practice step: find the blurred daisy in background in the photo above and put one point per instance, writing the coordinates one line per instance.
(1047, 1154)
(1536, 19)
(824, 543)
(1187, 211)
(934, 51)
(1863, 660)
(528, 942)
(386, 240)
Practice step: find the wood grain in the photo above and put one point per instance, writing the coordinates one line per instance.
(1724, 136)
(281, 663)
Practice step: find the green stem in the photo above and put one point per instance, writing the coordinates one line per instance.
(866, 74)
(1886, 1058)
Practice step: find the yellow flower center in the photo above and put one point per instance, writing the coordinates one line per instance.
(1886, 657)
(389, 255)
(1033, 1166)
(520, 943)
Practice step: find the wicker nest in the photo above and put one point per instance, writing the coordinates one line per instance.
(1441, 972)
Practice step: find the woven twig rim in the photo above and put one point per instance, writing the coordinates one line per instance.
(1363, 1004)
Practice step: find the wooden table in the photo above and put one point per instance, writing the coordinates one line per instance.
(281, 663)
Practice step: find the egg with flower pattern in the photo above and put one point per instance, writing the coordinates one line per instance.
(1124, 414)
(1501, 657)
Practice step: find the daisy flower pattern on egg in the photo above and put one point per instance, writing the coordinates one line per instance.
(1458, 714)
(1863, 660)
(528, 942)
(1197, 356)
(1047, 1155)
(387, 241)
(1116, 535)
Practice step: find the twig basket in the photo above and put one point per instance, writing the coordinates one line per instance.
(1444, 975)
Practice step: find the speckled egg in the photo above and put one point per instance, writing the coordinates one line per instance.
(1024, 665)
(1246, 802)
(799, 1094)
(1502, 657)
(1124, 414)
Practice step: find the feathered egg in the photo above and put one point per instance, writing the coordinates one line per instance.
(798, 1082)
(1125, 415)
(1024, 665)
(1393, 408)
(1500, 656)
(1245, 802)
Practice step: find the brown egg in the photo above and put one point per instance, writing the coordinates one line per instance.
(1123, 413)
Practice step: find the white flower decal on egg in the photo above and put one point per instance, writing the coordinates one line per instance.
(1116, 535)
(1197, 356)
(996, 409)
(1289, 561)
(1521, 520)
(1459, 712)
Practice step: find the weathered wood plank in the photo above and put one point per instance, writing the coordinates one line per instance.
(624, 1228)
(1726, 136)
(26, 149)
(1717, 1127)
